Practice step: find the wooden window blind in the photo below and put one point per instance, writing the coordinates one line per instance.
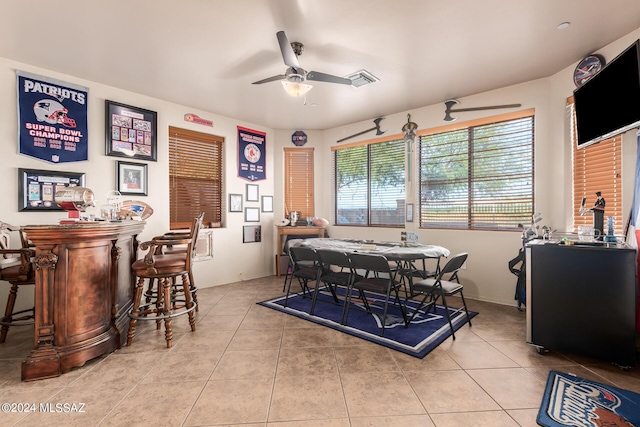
(596, 167)
(299, 181)
(369, 181)
(195, 177)
(478, 175)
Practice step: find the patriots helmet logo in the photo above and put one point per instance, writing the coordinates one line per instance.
(53, 112)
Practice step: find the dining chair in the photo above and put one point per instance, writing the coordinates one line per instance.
(377, 280)
(16, 267)
(336, 271)
(414, 267)
(306, 267)
(435, 288)
(164, 269)
(288, 244)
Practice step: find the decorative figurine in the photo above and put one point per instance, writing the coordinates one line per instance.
(598, 213)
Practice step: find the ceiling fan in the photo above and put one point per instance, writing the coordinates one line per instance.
(293, 78)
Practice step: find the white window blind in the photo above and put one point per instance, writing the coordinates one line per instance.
(369, 181)
(478, 175)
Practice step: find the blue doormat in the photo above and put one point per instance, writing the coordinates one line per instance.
(424, 333)
(574, 401)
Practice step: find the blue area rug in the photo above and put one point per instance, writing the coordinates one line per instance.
(425, 332)
(574, 401)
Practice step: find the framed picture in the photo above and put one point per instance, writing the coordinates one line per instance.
(235, 202)
(251, 233)
(131, 178)
(252, 193)
(252, 214)
(130, 131)
(409, 212)
(37, 188)
(267, 203)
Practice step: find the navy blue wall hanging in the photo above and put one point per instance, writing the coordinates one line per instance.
(52, 119)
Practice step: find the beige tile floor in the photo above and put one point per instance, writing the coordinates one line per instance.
(247, 365)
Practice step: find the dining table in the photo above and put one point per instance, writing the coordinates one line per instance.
(394, 251)
(404, 254)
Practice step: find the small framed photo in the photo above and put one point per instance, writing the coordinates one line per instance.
(37, 188)
(267, 203)
(131, 178)
(252, 193)
(252, 214)
(409, 212)
(235, 202)
(251, 233)
(130, 131)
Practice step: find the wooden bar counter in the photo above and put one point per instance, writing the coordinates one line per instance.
(84, 288)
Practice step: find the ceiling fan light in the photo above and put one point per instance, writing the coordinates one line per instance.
(296, 89)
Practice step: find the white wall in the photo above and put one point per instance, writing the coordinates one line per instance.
(231, 256)
(486, 277)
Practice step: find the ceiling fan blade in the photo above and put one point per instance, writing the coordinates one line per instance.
(270, 79)
(288, 55)
(322, 77)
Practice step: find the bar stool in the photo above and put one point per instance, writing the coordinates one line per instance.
(174, 249)
(17, 269)
(164, 269)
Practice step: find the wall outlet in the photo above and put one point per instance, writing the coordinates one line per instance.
(240, 275)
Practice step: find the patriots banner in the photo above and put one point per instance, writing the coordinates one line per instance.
(251, 154)
(52, 119)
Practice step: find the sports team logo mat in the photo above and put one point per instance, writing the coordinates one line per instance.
(426, 331)
(574, 401)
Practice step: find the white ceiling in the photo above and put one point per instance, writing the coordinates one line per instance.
(205, 54)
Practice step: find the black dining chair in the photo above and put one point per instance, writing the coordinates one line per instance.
(378, 279)
(414, 267)
(337, 271)
(435, 288)
(305, 267)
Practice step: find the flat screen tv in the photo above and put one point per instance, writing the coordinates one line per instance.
(609, 103)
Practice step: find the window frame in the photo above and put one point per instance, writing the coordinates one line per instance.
(193, 166)
(473, 221)
(369, 216)
(589, 166)
(299, 181)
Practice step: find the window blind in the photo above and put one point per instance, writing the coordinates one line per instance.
(195, 177)
(479, 175)
(299, 181)
(369, 181)
(596, 167)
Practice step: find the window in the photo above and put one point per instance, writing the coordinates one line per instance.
(195, 177)
(478, 175)
(597, 167)
(369, 181)
(298, 181)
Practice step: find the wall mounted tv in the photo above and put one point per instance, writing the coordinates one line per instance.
(609, 103)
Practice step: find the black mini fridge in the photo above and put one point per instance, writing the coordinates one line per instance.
(581, 299)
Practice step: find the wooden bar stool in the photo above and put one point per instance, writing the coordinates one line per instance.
(164, 269)
(17, 269)
(174, 249)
